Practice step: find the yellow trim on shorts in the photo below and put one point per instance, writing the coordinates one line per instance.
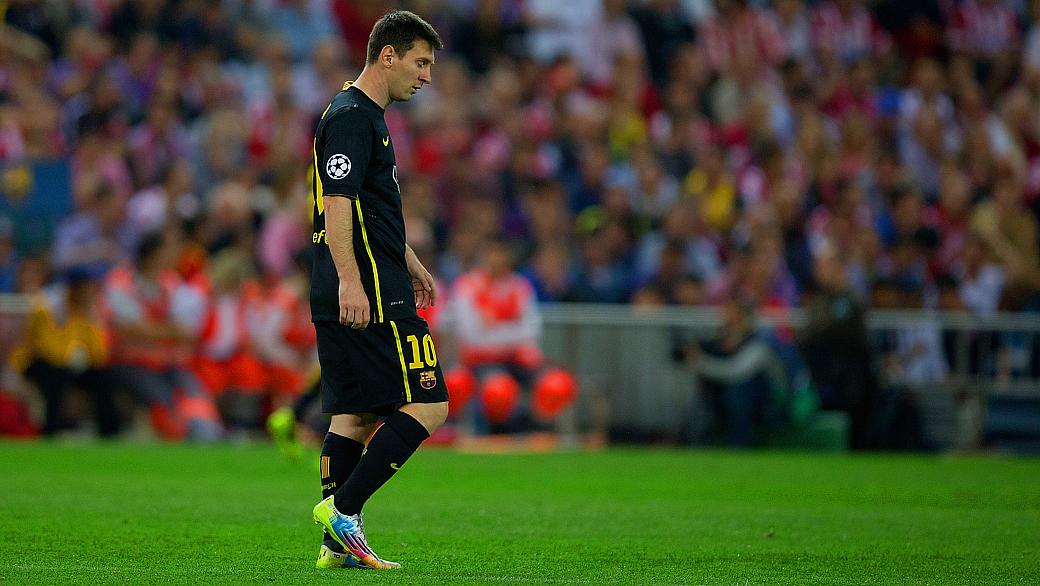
(404, 367)
(375, 269)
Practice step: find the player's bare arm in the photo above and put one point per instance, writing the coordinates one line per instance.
(354, 310)
(422, 280)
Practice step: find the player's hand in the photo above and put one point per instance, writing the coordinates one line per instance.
(353, 305)
(422, 282)
(425, 292)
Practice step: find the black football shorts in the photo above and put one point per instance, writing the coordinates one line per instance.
(379, 368)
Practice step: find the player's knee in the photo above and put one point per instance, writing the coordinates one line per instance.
(355, 427)
(434, 415)
(430, 415)
(439, 412)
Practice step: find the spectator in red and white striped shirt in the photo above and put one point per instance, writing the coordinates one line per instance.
(793, 20)
(741, 34)
(846, 30)
(983, 28)
(987, 32)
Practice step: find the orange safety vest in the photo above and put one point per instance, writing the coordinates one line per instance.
(297, 332)
(225, 329)
(500, 304)
(158, 355)
(225, 359)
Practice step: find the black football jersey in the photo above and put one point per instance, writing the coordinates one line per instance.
(354, 158)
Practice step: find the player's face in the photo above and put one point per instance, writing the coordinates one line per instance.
(412, 71)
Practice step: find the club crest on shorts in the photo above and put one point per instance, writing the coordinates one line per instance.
(428, 379)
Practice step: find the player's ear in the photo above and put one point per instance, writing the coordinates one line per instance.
(387, 56)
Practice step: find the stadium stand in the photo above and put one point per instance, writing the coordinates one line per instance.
(637, 152)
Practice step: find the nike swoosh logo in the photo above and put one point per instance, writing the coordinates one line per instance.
(386, 141)
(394, 466)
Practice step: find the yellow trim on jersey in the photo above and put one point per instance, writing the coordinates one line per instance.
(318, 189)
(404, 368)
(371, 257)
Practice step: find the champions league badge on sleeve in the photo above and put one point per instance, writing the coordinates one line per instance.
(338, 166)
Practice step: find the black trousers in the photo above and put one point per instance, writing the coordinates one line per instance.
(54, 383)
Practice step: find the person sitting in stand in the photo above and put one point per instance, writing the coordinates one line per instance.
(149, 312)
(64, 348)
(225, 361)
(497, 326)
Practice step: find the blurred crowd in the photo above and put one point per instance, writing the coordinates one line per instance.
(658, 151)
(681, 152)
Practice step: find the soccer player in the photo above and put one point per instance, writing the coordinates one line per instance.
(376, 355)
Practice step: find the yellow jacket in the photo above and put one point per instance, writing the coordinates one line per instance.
(71, 340)
(718, 203)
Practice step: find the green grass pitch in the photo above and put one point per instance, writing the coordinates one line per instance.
(97, 513)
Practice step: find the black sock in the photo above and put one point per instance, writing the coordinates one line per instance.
(339, 456)
(395, 441)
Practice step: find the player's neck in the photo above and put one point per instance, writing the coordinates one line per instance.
(374, 86)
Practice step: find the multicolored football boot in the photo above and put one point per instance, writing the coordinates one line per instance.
(330, 559)
(348, 531)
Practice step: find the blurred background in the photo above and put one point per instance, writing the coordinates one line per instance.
(736, 222)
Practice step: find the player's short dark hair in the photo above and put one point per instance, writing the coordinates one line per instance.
(400, 29)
